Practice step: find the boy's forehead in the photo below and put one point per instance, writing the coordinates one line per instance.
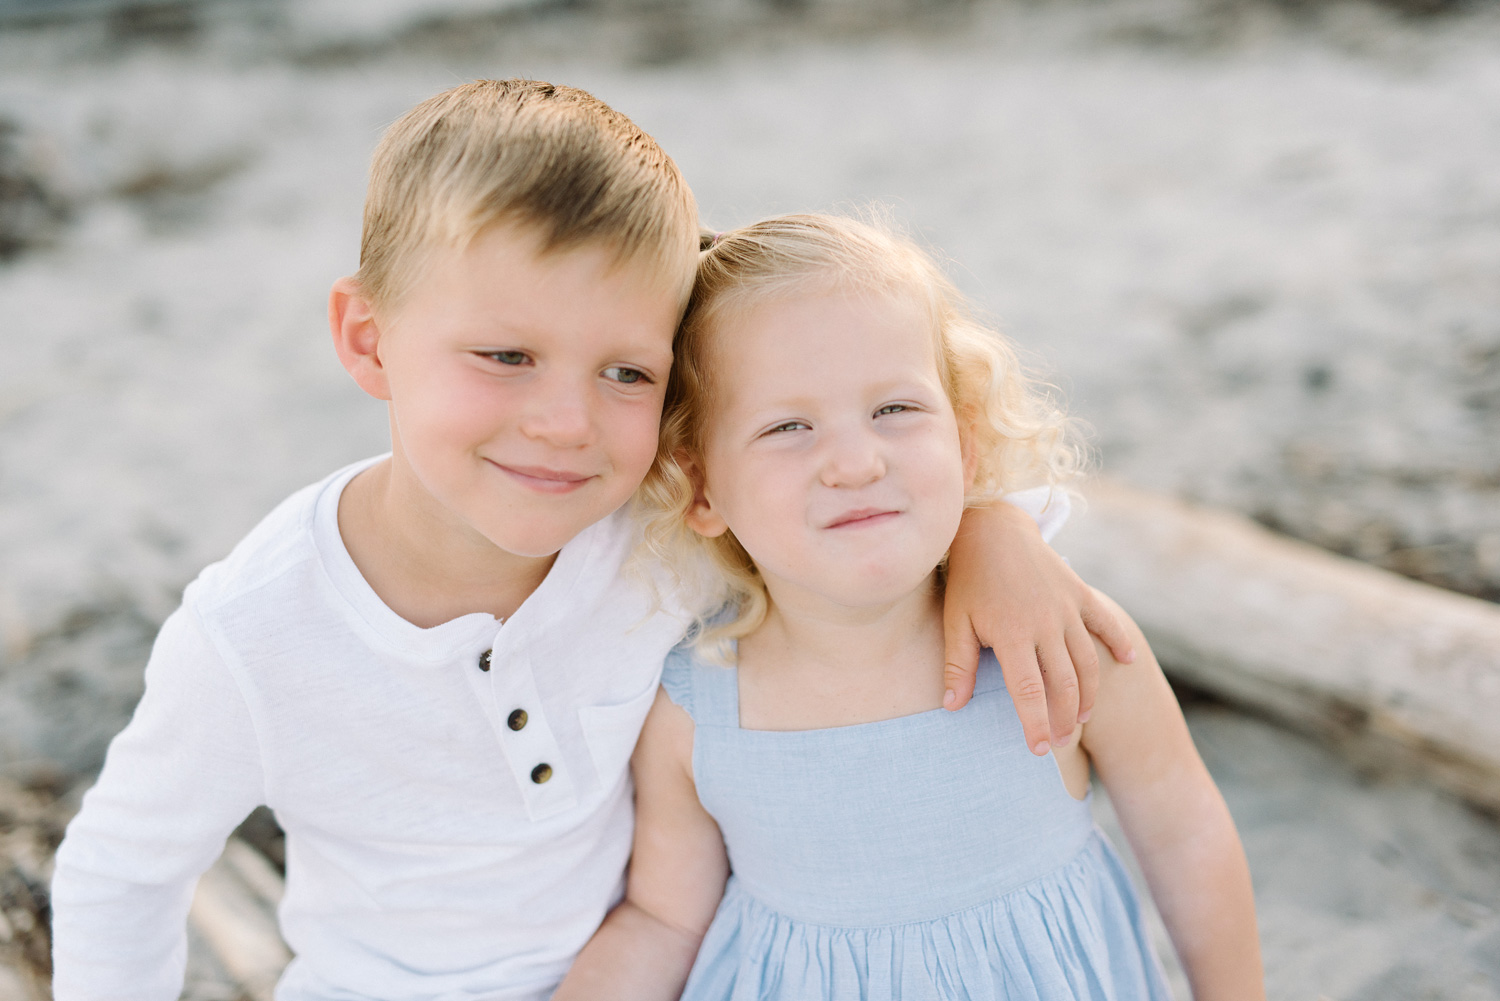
(661, 262)
(507, 284)
(659, 272)
(502, 248)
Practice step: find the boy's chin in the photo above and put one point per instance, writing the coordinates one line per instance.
(537, 539)
(532, 545)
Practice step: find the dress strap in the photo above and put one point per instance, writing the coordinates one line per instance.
(709, 692)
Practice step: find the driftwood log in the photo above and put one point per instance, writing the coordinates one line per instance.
(32, 817)
(1400, 674)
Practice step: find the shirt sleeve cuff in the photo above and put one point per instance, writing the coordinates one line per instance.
(1048, 507)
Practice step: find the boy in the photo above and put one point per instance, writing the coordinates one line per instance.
(430, 664)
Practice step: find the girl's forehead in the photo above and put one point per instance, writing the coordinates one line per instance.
(805, 323)
(823, 300)
(821, 339)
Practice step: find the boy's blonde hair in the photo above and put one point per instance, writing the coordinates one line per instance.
(1010, 423)
(554, 160)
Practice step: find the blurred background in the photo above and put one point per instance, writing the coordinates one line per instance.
(1255, 242)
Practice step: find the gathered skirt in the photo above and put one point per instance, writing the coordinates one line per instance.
(1070, 935)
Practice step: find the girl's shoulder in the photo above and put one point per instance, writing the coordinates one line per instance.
(677, 676)
(706, 691)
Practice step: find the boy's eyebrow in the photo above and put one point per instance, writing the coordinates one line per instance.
(499, 332)
(649, 356)
(660, 361)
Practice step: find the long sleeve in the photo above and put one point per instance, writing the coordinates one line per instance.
(175, 783)
(1049, 508)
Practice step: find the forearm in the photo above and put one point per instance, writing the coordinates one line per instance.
(115, 940)
(632, 957)
(175, 783)
(1201, 885)
(123, 884)
(1178, 826)
(122, 887)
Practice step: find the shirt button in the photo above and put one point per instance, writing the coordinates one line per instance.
(517, 719)
(541, 773)
(484, 660)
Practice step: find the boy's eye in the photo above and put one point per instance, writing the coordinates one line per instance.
(507, 357)
(628, 376)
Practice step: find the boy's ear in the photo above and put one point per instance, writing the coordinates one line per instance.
(701, 516)
(356, 337)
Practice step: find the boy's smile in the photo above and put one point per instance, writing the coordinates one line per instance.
(547, 481)
(525, 392)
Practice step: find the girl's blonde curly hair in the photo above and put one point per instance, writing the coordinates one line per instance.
(1017, 433)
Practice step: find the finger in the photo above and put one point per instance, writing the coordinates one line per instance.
(1086, 666)
(1023, 680)
(960, 661)
(1062, 690)
(1105, 624)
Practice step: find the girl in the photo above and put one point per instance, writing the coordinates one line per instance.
(801, 823)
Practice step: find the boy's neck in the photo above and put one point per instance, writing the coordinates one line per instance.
(815, 664)
(425, 566)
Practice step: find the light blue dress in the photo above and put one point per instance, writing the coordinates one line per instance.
(924, 857)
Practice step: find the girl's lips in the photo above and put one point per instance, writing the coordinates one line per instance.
(544, 480)
(862, 518)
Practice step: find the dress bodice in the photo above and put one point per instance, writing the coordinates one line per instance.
(919, 858)
(899, 820)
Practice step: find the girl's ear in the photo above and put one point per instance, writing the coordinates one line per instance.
(701, 516)
(356, 337)
(971, 458)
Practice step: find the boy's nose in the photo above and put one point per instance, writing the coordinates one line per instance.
(559, 417)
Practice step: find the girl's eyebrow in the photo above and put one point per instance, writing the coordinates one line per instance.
(780, 409)
(904, 387)
(800, 404)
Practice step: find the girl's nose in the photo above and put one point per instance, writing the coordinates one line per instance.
(853, 460)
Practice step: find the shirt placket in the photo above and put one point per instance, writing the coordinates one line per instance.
(527, 741)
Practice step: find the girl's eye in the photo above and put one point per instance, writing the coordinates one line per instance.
(892, 408)
(790, 426)
(507, 357)
(628, 376)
